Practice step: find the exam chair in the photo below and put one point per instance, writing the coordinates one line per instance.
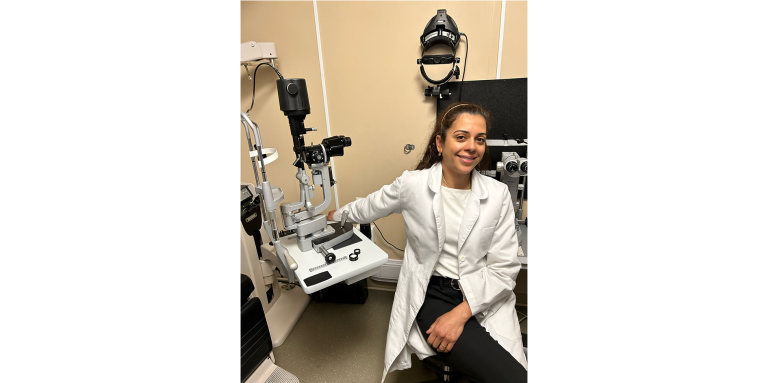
(256, 356)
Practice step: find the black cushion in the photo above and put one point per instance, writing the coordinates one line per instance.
(246, 288)
(255, 341)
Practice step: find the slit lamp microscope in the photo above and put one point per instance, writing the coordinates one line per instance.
(301, 217)
(307, 230)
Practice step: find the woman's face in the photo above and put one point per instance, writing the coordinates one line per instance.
(464, 144)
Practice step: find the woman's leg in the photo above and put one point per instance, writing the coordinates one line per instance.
(476, 355)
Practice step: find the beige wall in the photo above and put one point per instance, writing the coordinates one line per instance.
(373, 84)
(514, 50)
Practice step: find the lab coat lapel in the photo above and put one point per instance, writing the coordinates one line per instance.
(472, 210)
(435, 179)
(437, 206)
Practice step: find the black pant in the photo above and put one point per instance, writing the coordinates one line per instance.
(476, 355)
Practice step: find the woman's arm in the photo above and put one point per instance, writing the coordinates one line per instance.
(378, 204)
(497, 279)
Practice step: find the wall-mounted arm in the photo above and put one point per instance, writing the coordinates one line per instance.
(247, 123)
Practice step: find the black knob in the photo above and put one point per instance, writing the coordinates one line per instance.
(330, 258)
(292, 89)
(511, 167)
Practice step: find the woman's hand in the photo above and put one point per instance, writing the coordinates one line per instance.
(329, 217)
(447, 328)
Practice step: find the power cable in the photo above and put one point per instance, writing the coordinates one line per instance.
(385, 240)
(461, 91)
(253, 79)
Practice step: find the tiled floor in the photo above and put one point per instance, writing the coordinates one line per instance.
(339, 343)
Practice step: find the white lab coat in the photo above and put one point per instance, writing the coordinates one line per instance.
(488, 264)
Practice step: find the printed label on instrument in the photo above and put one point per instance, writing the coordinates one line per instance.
(311, 269)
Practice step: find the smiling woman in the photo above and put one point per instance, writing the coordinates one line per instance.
(461, 147)
(474, 121)
(455, 297)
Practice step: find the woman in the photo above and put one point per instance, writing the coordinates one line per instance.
(454, 296)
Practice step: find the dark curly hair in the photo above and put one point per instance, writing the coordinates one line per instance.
(443, 122)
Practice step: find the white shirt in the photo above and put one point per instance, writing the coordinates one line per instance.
(454, 203)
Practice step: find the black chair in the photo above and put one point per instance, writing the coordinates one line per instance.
(255, 341)
(443, 371)
(246, 288)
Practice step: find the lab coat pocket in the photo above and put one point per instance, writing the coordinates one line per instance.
(486, 236)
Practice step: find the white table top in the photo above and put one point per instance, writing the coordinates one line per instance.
(312, 263)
